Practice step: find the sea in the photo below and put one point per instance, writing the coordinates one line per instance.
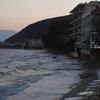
(36, 74)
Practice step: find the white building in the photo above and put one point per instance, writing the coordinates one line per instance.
(81, 25)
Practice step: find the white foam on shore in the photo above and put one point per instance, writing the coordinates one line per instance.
(49, 88)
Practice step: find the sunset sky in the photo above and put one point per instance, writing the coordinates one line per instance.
(16, 14)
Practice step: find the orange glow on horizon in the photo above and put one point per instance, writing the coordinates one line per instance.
(16, 14)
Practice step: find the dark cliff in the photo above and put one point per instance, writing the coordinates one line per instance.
(35, 30)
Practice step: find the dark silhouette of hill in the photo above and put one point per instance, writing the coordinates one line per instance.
(34, 31)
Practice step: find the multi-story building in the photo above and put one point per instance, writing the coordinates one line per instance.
(81, 25)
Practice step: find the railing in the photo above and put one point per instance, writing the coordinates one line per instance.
(75, 20)
(94, 46)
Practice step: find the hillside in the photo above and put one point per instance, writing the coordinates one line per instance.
(4, 34)
(35, 30)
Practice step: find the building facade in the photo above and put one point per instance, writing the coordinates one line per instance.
(81, 24)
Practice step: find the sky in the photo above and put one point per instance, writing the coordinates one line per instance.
(17, 14)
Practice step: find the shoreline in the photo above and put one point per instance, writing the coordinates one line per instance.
(81, 86)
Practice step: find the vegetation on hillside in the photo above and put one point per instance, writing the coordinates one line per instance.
(58, 37)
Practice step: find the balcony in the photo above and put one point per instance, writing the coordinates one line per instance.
(75, 20)
(74, 27)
